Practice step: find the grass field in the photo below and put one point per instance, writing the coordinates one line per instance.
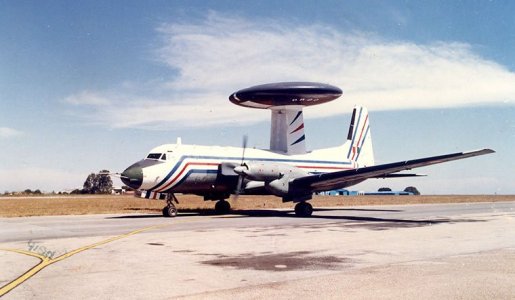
(80, 205)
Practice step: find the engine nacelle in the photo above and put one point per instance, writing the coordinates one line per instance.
(268, 172)
(279, 187)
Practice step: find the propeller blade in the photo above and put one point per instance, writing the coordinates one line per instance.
(237, 192)
(244, 146)
(240, 170)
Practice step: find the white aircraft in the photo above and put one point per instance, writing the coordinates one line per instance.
(216, 172)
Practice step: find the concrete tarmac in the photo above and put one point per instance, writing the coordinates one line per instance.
(416, 251)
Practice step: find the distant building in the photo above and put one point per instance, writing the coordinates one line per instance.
(391, 193)
(343, 192)
(118, 190)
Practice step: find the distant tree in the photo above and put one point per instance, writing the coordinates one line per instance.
(384, 189)
(75, 192)
(412, 189)
(104, 182)
(88, 184)
(37, 192)
(98, 183)
(28, 191)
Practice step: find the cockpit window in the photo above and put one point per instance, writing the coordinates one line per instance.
(164, 156)
(154, 155)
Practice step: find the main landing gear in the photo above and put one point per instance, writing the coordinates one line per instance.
(222, 207)
(303, 209)
(170, 210)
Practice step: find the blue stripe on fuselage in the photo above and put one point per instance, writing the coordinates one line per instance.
(203, 171)
(238, 159)
(197, 171)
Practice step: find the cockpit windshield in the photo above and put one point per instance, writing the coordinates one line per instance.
(154, 155)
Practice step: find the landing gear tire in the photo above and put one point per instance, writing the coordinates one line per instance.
(170, 211)
(303, 209)
(222, 207)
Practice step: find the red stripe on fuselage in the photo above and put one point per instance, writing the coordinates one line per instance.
(182, 171)
(216, 164)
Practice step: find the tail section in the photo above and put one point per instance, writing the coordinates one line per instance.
(359, 139)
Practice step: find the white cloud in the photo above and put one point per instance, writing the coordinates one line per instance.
(219, 54)
(88, 98)
(6, 132)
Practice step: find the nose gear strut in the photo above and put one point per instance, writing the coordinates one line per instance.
(170, 210)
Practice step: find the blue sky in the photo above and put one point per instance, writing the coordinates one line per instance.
(91, 85)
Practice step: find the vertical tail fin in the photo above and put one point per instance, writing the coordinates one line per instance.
(359, 138)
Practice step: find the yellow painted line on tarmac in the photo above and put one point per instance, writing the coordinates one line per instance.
(11, 285)
(30, 253)
(66, 255)
(45, 261)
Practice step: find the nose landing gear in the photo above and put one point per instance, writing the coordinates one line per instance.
(170, 210)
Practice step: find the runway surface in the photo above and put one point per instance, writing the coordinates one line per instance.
(424, 251)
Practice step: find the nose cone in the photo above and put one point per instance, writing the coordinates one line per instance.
(133, 176)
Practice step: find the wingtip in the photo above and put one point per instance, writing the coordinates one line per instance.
(480, 151)
(486, 151)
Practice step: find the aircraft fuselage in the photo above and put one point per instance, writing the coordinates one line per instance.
(208, 170)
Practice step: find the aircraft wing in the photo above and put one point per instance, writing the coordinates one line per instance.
(341, 179)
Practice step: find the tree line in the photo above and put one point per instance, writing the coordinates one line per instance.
(409, 189)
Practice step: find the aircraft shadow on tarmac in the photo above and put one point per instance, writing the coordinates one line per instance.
(376, 223)
(149, 216)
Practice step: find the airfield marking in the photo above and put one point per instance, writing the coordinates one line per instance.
(45, 261)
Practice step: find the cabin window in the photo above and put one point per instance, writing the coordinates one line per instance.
(164, 156)
(154, 155)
